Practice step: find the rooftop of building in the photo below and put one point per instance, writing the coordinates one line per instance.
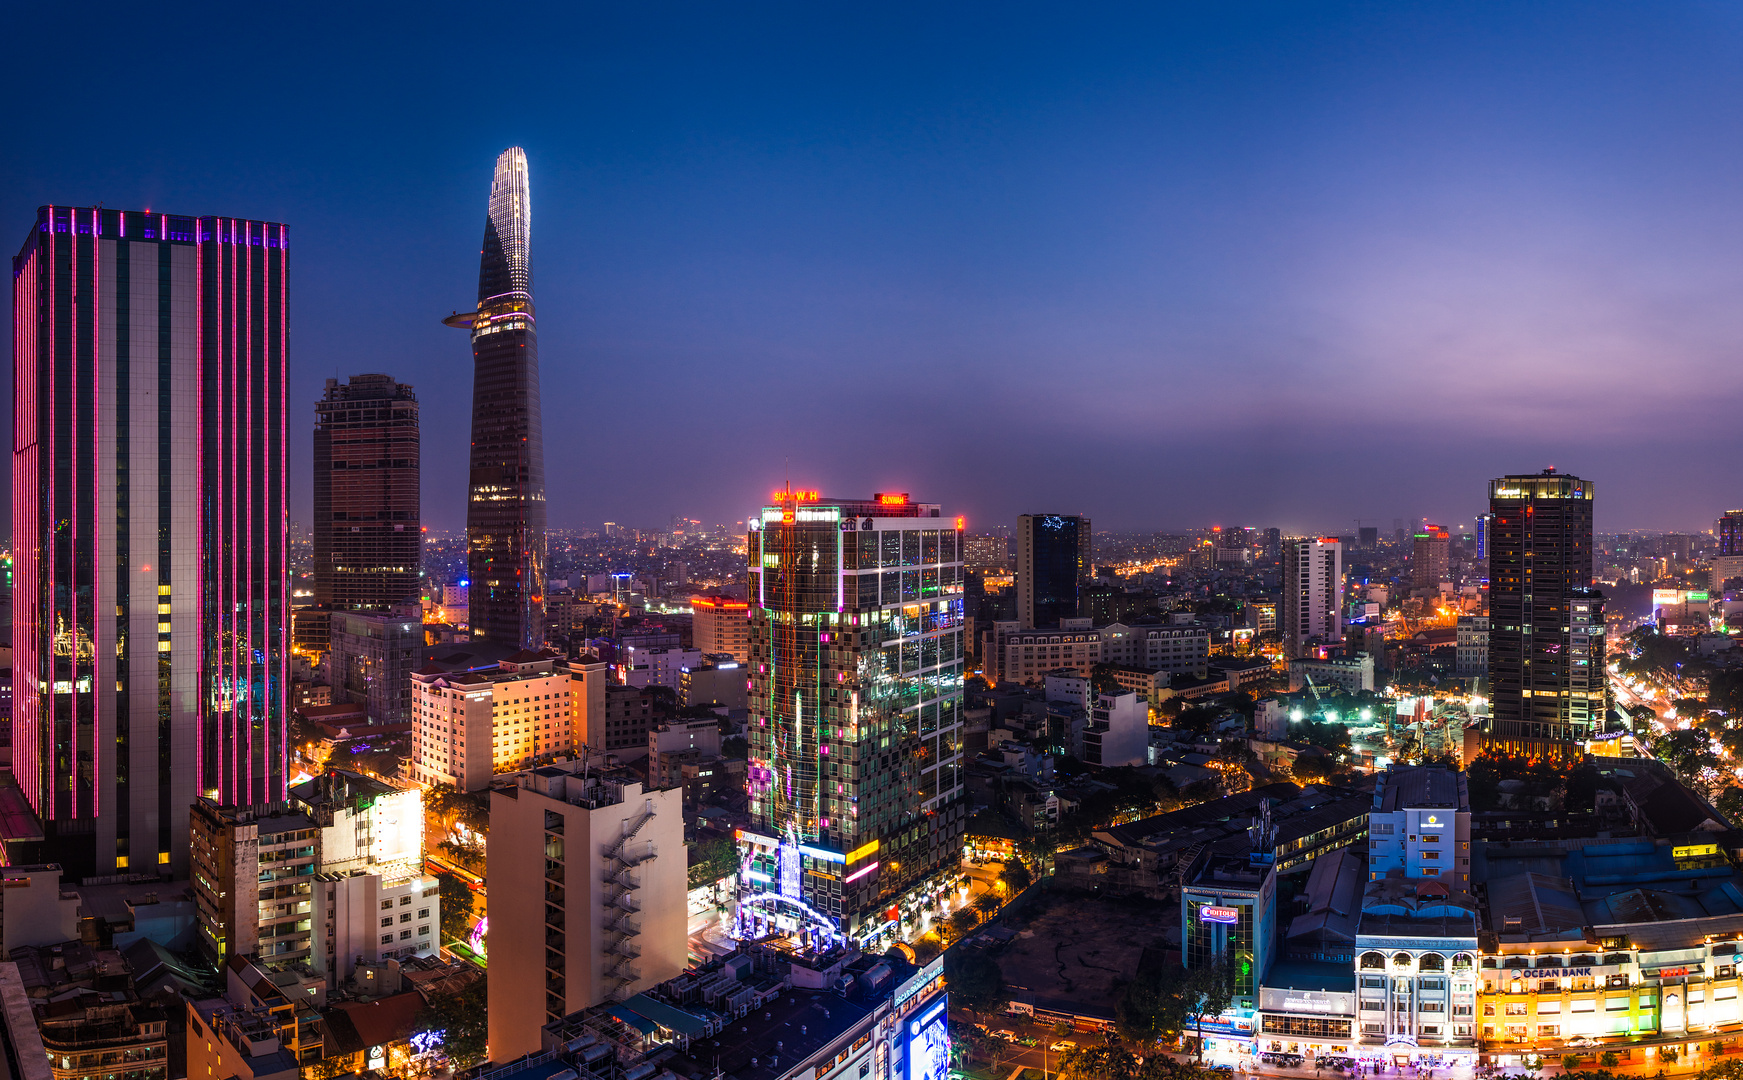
(1311, 975)
(1421, 787)
(271, 819)
(1558, 888)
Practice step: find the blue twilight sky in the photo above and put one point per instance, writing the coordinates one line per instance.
(1165, 264)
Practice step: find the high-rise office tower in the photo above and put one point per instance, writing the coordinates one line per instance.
(1730, 533)
(505, 508)
(368, 544)
(856, 656)
(1429, 562)
(1313, 594)
(150, 620)
(1546, 623)
(1053, 566)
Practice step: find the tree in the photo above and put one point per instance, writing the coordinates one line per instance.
(1311, 767)
(986, 903)
(1152, 1008)
(1570, 1062)
(975, 981)
(1730, 803)
(1016, 876)
(1210, 990)
(964, 920)
(456, 897)
(1102, 1062)
(1609, 1059)
(711, 860)
(460, 1018)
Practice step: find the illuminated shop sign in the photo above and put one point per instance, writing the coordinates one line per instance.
(929, 1043)
(1228, 916)
(1432, 822)
(890, 498)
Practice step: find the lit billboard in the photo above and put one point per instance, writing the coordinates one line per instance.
(929, 1041)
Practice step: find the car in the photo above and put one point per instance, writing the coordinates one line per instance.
(1582, 1040)
(1005, 1033)
(1225, 1070)
(1062, 1045)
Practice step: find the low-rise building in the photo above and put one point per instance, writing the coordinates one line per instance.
(471, 724)
(393, 913)
(1351, 675)
(252, 871)
(1472, 643)
(719, 681)
(1118, 732)
(588, 881)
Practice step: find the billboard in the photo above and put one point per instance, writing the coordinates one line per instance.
(928, 1036)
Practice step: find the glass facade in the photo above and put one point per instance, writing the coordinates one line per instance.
(367, 535)
(149, 619)
(1053, 564)
(856, 658)
(505, 511)
(1548, 685)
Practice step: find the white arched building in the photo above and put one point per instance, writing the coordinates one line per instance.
(1416, 972)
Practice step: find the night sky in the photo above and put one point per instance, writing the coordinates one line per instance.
(1167, 265)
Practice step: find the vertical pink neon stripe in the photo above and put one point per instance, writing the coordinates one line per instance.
(202, 695)
(73, 514)
(97, 770)
(246, 525)
(281, 695)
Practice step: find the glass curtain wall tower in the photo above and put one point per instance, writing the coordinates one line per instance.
(368, 542)
(1054, 563)
(505, 509)
(856, 659)
(148, 469)
(1548, 684)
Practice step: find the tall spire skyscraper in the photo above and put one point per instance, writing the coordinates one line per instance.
(505, 510)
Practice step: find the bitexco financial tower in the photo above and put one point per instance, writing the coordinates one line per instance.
(505, 510)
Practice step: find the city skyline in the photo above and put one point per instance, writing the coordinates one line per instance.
(1331, 229)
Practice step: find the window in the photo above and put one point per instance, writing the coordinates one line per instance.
(387, 905)
(423, 913)
(387, 921)
(1548, 1030)
(1516, 1008)
(387, 939)
(405, 901)
(405, 916)
(423, 931)
(405, 935)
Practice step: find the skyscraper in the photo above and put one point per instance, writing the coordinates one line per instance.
(368, 544)
(1730, 532)
(505, 509)
(148, 466)
(1546, 623)
(1313, 594)
(856, 650)
(1429, 563)
(1053, 566)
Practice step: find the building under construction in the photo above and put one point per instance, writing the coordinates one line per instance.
(856, 661)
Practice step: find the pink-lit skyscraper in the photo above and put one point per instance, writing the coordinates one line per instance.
(149, 621)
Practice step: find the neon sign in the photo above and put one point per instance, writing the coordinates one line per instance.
(797, 496)
(1227, 916)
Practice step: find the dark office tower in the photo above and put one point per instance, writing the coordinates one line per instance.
(505, 510)
(857, 808)
(368, 545)
(1367, 537)
(1731, 533)
(1546, 622)
(1053, 566)
(148, 473)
